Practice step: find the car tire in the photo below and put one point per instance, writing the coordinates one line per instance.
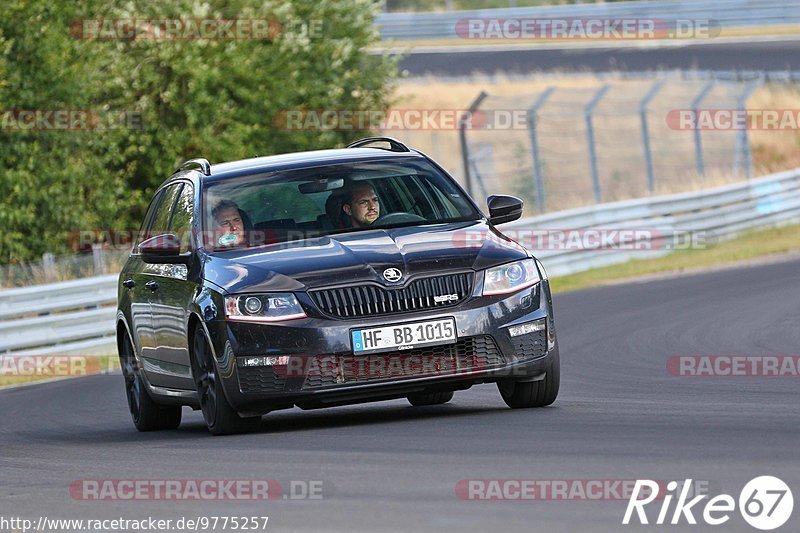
(147, 415)
(429, 398)
(519, 395)
(220, 417)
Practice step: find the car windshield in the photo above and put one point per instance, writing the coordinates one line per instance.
(283, 206)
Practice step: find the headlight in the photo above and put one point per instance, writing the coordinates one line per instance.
(510, 278)
(270, 307)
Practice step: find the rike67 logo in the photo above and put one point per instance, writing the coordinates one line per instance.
(765, 503)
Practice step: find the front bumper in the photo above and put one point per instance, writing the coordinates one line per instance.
(322, 370)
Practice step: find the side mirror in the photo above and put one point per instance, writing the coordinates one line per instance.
(504, 209)
(164, 248)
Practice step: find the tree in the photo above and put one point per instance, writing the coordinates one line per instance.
(162, 101)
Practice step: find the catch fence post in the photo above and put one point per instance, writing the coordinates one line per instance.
(538, 174)
(587, 113)
(742, 149)
(698, 142)
(462, 134)
(648, 155)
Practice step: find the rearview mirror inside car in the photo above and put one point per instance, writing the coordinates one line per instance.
(321, 185)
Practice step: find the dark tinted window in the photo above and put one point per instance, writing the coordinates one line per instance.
(181, 223)
(147, 218)
(303, 203)
(160, 223)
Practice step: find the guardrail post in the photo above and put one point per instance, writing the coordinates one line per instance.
(462, 134)
(587, 112)
(538, 175)
(648, 155)
(742, 147)
(698, 144)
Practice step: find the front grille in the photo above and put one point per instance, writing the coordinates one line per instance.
(256, 379)
(467, 355)
(368, 300)
(530, 345)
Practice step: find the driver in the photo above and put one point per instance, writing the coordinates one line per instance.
(361, 204)
(230, 225)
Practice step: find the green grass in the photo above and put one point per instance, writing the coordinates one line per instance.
(749, 246)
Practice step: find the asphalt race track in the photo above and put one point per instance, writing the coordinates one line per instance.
(778, 55)
(391, 467)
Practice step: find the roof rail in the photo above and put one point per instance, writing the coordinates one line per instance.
(394, 144)
(200, 164)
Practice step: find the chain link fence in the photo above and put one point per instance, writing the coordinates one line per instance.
(614, 139)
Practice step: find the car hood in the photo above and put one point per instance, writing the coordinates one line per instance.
(362, 257)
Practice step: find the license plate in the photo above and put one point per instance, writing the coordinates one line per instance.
(404, 336)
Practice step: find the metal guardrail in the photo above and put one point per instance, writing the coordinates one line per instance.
(717, 213)
(57, 329)
(75, 294)
(728, 13)
(79, 315)
(67, 317)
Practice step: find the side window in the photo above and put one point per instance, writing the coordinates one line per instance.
(181, 223)
(390, 201)
(146, 221)
(160, 222)
(422, 203)
(441, 203)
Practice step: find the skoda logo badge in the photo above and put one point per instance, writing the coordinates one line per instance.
(392, 274)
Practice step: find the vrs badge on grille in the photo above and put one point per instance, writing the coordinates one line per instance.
(392, 275)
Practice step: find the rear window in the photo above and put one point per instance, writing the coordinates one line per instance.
(290, 205)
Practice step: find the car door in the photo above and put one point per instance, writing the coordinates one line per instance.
(134, 279)
(157, 364)
(170, 301)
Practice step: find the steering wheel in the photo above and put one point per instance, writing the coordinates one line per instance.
(399, 217)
